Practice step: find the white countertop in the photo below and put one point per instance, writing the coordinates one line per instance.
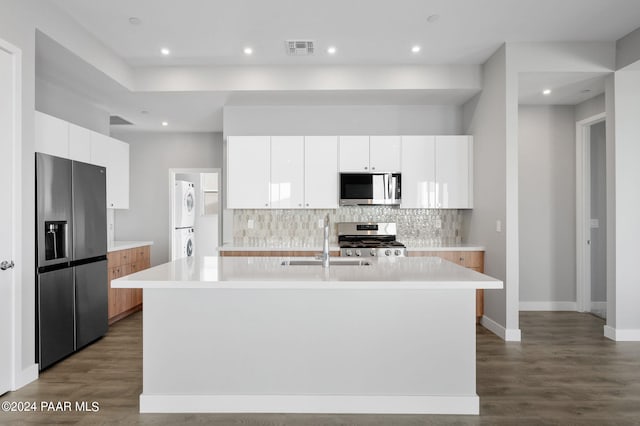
(269, 273)
(453, 247)
(124, 245)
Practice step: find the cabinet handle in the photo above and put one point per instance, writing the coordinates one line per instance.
(307, 204)
(373, 168)
(365, 167)
(300, 205)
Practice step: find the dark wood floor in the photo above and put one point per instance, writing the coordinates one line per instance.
(564, 372)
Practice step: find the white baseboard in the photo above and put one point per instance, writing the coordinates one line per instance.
(509, 335)
(25, 377)
(373, 404)
(598, 306)
(622, 335)
(548, 306)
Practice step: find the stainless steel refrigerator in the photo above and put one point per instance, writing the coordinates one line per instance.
(71, 241)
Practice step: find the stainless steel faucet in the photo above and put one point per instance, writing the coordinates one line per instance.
(325, 244)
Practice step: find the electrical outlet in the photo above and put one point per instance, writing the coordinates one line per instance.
(438, 223)
(498, 226)
(250, 224)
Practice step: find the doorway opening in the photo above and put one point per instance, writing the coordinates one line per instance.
(195, 225)
(591, 230)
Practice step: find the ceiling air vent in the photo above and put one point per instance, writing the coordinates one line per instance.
(116, 120)
(299, 47)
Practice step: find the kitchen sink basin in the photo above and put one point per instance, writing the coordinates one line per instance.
(332, 262)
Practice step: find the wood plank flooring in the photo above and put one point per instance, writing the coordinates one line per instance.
(564, 372)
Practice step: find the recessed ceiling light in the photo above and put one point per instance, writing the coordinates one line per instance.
(585, 91)
(134, 20)
(546, 92)
(144, 111)
(331, 50)
(165, 124)
(415, 49)
(248, 51)
(165, 51)
(432, 18)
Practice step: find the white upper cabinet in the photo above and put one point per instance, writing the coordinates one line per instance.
(454, 172)
(114, 155)
(321, 172)
(287, 172)
(248, 172)
(418, 172)
(79, 143)
(354, 153)
(51, 135)
(370, 154)
(384, 153)
(437, 172)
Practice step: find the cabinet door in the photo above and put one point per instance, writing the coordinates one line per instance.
(418, 172)
(354, 153)
(79, 143)
(454, 162)
(321, 172)
(248, 172)
(287, 172)
(51, 135)
(114, 155)
(384, 153)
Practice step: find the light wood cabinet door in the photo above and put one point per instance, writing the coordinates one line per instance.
(124, 301)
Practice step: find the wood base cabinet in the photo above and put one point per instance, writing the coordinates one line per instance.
(469, 259)
(125, 301)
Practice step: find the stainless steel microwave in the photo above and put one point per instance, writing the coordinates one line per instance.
(370, 189)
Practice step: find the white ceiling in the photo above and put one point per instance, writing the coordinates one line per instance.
(365, 32)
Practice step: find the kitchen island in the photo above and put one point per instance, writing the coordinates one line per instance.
(260, 334)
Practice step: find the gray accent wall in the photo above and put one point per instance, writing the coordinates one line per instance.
(343, 120)
(547, 212)
(151, 155)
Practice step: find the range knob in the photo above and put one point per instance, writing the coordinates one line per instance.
(358, 253)
(387, 252)
(349, 252)
(373, 252)
(397, 252)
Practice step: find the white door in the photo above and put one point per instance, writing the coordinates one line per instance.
(418, 172)
(287, 172)
(384, 153)
(354, 153)
(454, 172)
(321, 172)
(248, 172)
(8, 96)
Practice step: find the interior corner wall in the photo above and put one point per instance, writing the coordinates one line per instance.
(485, 118)
(151, 155)
(547, 210)
(628, 49)
(59, 102)
(627, 203)
(590, 107)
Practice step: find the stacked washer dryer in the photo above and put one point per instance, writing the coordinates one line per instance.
(184, 213)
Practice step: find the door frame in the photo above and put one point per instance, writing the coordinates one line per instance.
(583, 210)
(16, 196)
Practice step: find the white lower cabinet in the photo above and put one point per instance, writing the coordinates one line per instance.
(114, 155)
(437, 172)
(248, 172)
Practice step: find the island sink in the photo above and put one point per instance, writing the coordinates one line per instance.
(332, 262)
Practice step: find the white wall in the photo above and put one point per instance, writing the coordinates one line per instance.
(547, 215)
(59, 102)
(485, 119)
(590, 107)
(342, 120)
(599, 212)
(152, 154)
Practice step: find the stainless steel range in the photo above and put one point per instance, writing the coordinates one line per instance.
(369, 239)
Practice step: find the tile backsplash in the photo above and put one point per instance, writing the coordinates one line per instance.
(303, 228)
